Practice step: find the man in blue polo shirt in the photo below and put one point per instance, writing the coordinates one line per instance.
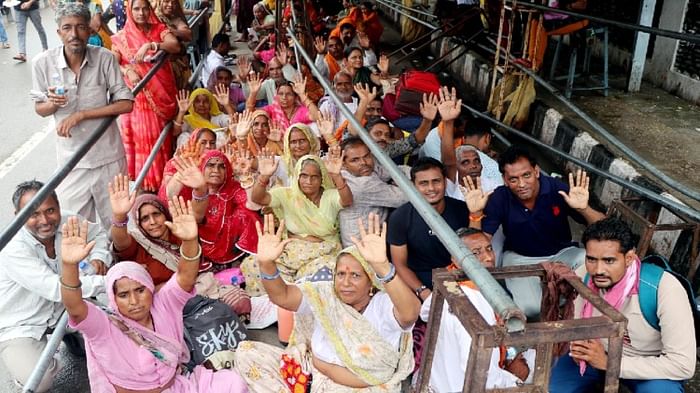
(534, 210)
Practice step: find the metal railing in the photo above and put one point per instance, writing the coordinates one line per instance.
(602, 131)
(8, 233)
(492, 291)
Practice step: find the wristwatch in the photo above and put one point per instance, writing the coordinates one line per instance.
(420, 290)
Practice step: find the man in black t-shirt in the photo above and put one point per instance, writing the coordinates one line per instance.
(415, 249)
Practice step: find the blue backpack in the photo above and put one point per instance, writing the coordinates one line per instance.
(653, 267)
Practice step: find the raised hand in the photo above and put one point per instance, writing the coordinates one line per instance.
(254, 83)
(183, 101)
(221, 94)
(450, 107)
(267, 165)
(429, 106)
(245, 121)
(363, 40)
(372, 242)
(365, 93)
(184, 225)
(578, 195)
(243, 68)
(326, 125)
(281, 53)
(474, 194)
(320, 45)
(270, 243)
(275, 134)
(188, 173)
(242, 162)
(299, 85)
(74, 244)
(334, 160)
(119, 196)
(383, 64)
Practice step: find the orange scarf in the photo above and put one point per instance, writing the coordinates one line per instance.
(333, 66)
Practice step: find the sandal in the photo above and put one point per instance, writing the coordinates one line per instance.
(20, 57)
(5, 45)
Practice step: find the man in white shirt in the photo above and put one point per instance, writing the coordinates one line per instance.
(220, 45)
(451, 351)
(342, 85)
(30, 287)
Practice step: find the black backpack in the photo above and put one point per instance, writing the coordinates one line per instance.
(210, 326)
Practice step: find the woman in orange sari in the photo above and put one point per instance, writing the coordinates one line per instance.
(142, 36)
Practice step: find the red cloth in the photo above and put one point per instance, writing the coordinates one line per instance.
(228, 229)
(169, 171)
(155, 268)
(372, 26)
(153, 107)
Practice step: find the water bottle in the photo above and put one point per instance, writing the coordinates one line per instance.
(86, 269)
(59, 89)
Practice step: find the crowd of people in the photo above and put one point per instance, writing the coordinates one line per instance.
(262, 171)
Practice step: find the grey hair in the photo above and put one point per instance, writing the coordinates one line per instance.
(461, 149)
(341, 74)
(68, 9)
(25, 187)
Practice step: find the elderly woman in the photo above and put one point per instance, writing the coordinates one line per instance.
(142, 36)
(291, 105)
(137, 344)
(350, 335)
(170, 12)
(310, 206)
(222, 76)
(254, 133)
(226, 226)
(201, 110)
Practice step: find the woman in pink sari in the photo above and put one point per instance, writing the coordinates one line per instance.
(142, 36)
(137, 344)
(291, 104)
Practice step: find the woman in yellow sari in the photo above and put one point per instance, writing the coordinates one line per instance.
(201, 110)
(350, 335)
(310, 206)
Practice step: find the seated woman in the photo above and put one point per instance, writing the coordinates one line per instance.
(291, 105)
(201, 141)
(350, 335)
(226, 226)
(222, 76)
(202, 109)
(353, 64)
(255, 133)
(310, 206)
(263, 23)
(137, 344)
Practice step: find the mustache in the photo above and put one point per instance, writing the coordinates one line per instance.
(600, 276)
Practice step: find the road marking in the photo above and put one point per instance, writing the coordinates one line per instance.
(26, 148)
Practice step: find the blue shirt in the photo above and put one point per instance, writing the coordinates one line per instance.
(542, 231)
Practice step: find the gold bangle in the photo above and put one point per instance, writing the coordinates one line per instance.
(194, 258)
(70, 287)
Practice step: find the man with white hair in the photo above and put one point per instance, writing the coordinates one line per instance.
(342, 85)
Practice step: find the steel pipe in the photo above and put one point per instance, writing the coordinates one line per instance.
(151, 156)
(46, 355)
(492, 291)
(409, 16)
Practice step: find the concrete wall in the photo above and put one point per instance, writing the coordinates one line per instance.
(551, 127)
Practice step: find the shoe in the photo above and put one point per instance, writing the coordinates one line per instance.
(5, 45)
(20, 57)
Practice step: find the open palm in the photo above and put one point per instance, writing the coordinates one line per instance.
(183, 226)
(188, 173)
(372, 242)
(119, 196)
(474, 194)
(74, 244)
(270, 243)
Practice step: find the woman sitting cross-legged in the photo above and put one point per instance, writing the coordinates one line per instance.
(310, 206)
(137, 344)
(350, 335)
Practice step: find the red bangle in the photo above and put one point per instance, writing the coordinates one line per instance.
(476, 218)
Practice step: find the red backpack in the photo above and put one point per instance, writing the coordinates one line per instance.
(410, 89)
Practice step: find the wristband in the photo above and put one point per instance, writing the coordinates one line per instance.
(389, 276)
(70, 287)
(199, 198)
(270, 277)
(478, 218)
(345, 184)
(120, 224)
(194, 258)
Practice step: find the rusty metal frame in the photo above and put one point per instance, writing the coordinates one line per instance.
(540, 335)
(649, 227)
